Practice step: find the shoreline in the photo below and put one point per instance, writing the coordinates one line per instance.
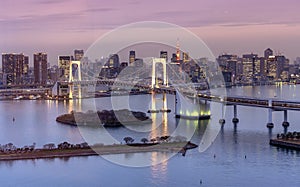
(287, 144)
(97, 150)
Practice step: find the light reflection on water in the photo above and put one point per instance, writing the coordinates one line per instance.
(263, 165)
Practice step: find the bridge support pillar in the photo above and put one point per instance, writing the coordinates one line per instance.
(222, 120)
(235, 119)
(270, 124)
(285, 123)
(177, 115)
(164, 63)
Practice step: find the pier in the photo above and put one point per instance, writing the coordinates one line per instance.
(290, 140)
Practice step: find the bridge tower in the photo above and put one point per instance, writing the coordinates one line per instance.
(164, 63)
(72, 79)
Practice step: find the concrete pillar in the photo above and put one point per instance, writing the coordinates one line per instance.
(153, 74)
(222, 120)
(164, 72)
(176, 106)
(270, 124)
(285, 123)
(235, 119)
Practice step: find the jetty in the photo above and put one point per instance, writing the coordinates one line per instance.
(290, 140)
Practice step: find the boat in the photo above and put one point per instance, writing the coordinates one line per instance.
(18, 98)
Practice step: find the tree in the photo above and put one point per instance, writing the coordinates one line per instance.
(144, 140)
(128, 140)
(153, 140)
(164, 138)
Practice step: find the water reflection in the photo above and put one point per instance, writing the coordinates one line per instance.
(159, 167)
(159, 118)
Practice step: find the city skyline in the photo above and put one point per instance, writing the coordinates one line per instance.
(232, 26)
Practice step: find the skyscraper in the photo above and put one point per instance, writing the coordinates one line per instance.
(131, 57)
(185, 57)
(268, 52)
(229, 63)
(177, 51)
(40, 68)
(14, 67)
(111, 67)
(251, 66)
(78, 54)
(164, 54)
(64, 67)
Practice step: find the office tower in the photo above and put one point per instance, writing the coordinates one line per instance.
(281, 64)
(40, 68)
(26, 66)
(177, 51)
(131, 57)
(268, 52)
(111, 68)
(263, 66)
(174, 58)
(78, 54)
(164, 54)
(53, 74)
(64, 67)
(14, 67)
(229, 63)
(113, 61)
(186, 57)
(251, 67)
(271, 67)
(139, 62)
(123, 65)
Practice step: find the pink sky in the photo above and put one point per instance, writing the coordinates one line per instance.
(234, 26)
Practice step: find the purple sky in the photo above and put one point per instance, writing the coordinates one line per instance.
(234, 26)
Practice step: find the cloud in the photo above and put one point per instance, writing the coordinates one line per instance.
(47, 2)
(100, 9)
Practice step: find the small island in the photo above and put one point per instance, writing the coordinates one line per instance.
(111, 118)
(159, 144)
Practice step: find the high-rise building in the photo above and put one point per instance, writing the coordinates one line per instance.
(131, 57)
(251, 67)
(228, 63)
(40, 68)
(281, 63)
(276, 65)
(267, 53)
(64, 67)
(78, 54)
(14, 68)
(271, 67)
(113, 61)
(186, 57)
(111, 68)
(177, 51)
(53, 74)
(174, 58)
(263, 67)
(164, 54)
